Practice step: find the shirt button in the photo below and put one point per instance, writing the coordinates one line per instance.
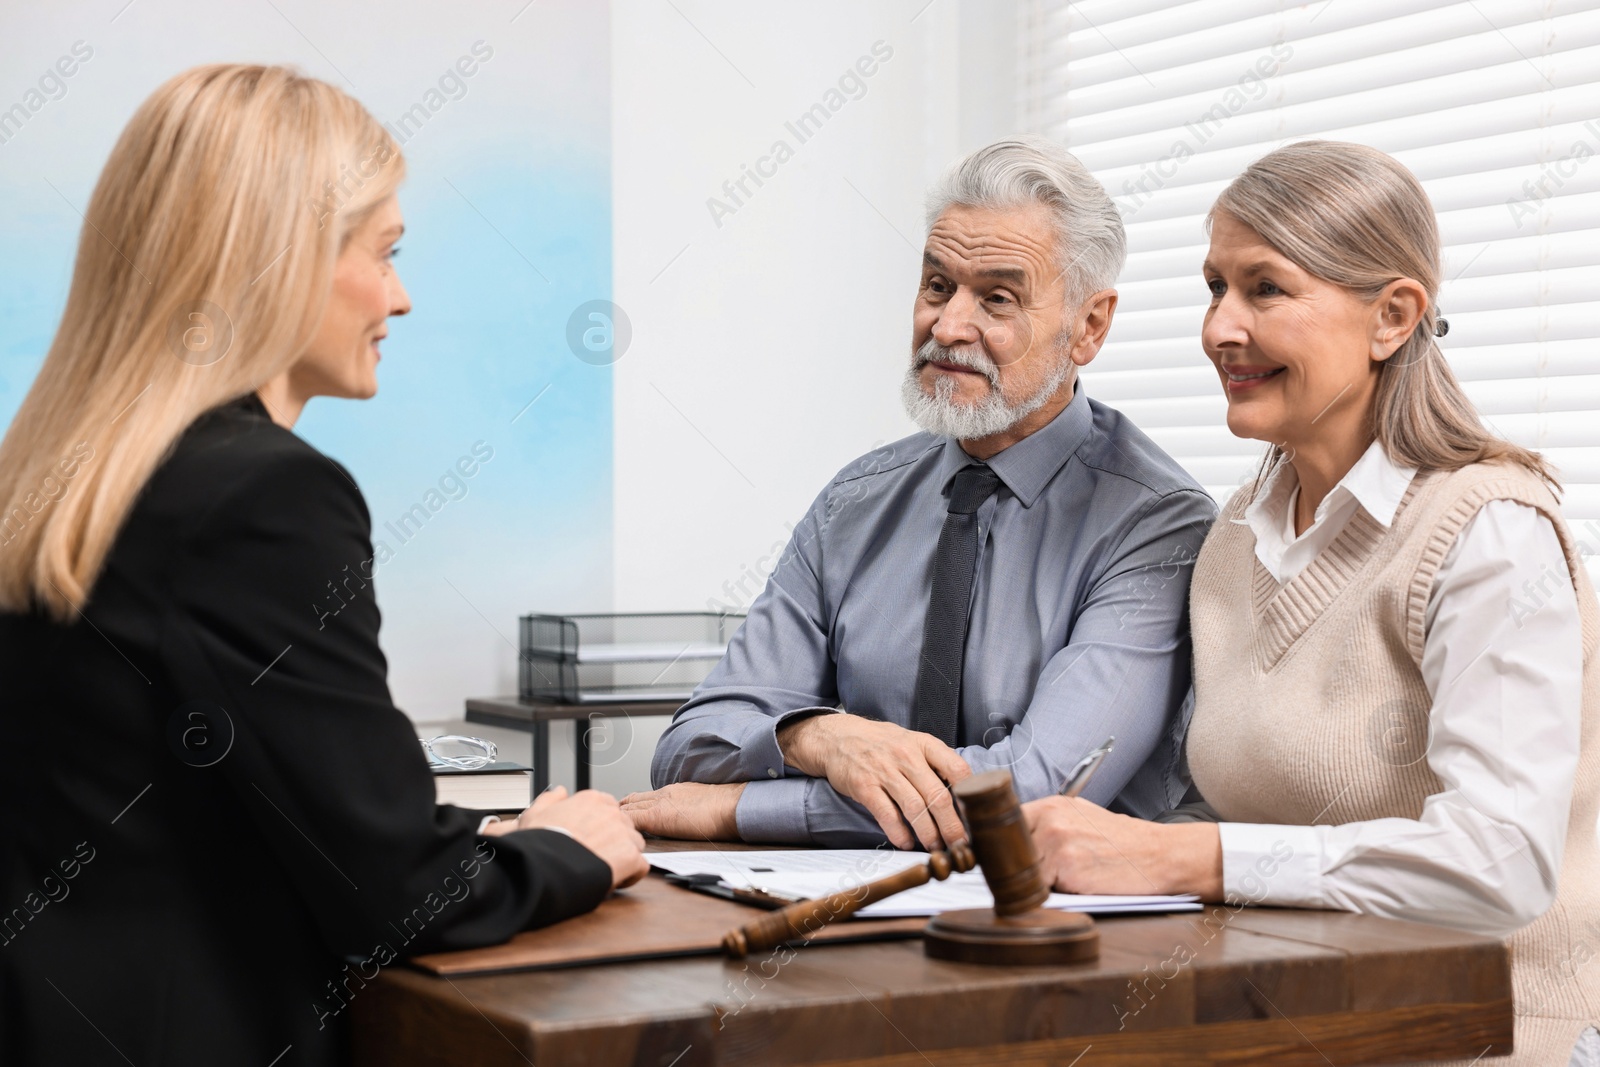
(771, 773)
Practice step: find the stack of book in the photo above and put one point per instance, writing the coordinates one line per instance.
(497, 787)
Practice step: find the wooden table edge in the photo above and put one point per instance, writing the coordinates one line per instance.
(1481, 1029)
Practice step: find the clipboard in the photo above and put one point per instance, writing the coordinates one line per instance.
(652, 919)
(713, 885)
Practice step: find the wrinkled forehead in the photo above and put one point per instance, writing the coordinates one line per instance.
(1013, 246)
(1238, 248)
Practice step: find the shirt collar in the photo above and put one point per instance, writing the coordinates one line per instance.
(1029, 465)
(1376, 482)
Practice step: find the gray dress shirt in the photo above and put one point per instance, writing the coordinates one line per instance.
(1078, 629)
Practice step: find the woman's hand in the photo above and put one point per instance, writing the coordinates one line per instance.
(594, 820)
(1086, 849)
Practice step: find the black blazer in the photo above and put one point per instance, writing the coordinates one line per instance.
(215, 826)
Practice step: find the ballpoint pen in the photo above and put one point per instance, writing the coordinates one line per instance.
(1079, 778)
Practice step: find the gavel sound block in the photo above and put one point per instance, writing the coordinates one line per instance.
(1015, 931)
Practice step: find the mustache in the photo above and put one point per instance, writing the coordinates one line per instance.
(969, 357)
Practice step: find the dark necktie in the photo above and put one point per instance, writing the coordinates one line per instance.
(937, 703)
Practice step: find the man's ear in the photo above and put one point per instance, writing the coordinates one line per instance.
(1093, 323)
(1395, 315)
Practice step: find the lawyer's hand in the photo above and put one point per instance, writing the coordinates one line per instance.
(692, 810)
(594, 820)
(1084, 848)
(901, 776)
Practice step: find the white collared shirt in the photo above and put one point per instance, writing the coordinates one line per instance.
(1502, 660)
(1375, 483)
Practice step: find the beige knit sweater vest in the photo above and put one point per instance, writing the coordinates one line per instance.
(1310, 709)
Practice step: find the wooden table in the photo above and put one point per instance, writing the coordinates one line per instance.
(535, 717)
(1221, 987)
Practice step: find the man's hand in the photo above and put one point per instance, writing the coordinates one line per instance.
(901, 776)
(594, 820)
(692, 810)
(1084, 848)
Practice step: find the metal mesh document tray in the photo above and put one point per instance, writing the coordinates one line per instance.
(596, 659)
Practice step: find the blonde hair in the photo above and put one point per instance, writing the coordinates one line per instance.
(1356, 217)
(203, 269)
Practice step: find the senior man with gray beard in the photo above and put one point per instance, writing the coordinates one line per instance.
(1005, 589)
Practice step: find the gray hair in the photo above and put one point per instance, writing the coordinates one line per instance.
(1091, 246)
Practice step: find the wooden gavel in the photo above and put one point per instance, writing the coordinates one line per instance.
(1014, 930)
(800, 920)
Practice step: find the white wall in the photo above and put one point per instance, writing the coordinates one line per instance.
(767, 351)
(508, 230)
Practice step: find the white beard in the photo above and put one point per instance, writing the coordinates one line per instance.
(942, 414)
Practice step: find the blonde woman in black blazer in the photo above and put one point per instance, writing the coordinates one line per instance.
(219, 828)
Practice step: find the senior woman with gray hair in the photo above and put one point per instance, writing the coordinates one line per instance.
(1375, 728)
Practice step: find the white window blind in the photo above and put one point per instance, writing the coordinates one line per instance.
(1493, 104)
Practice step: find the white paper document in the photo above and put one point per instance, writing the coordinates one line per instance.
(809, 873)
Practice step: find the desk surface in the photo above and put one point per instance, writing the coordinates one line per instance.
(1253, 986)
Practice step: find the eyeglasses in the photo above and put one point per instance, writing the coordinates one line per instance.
(458, 751)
